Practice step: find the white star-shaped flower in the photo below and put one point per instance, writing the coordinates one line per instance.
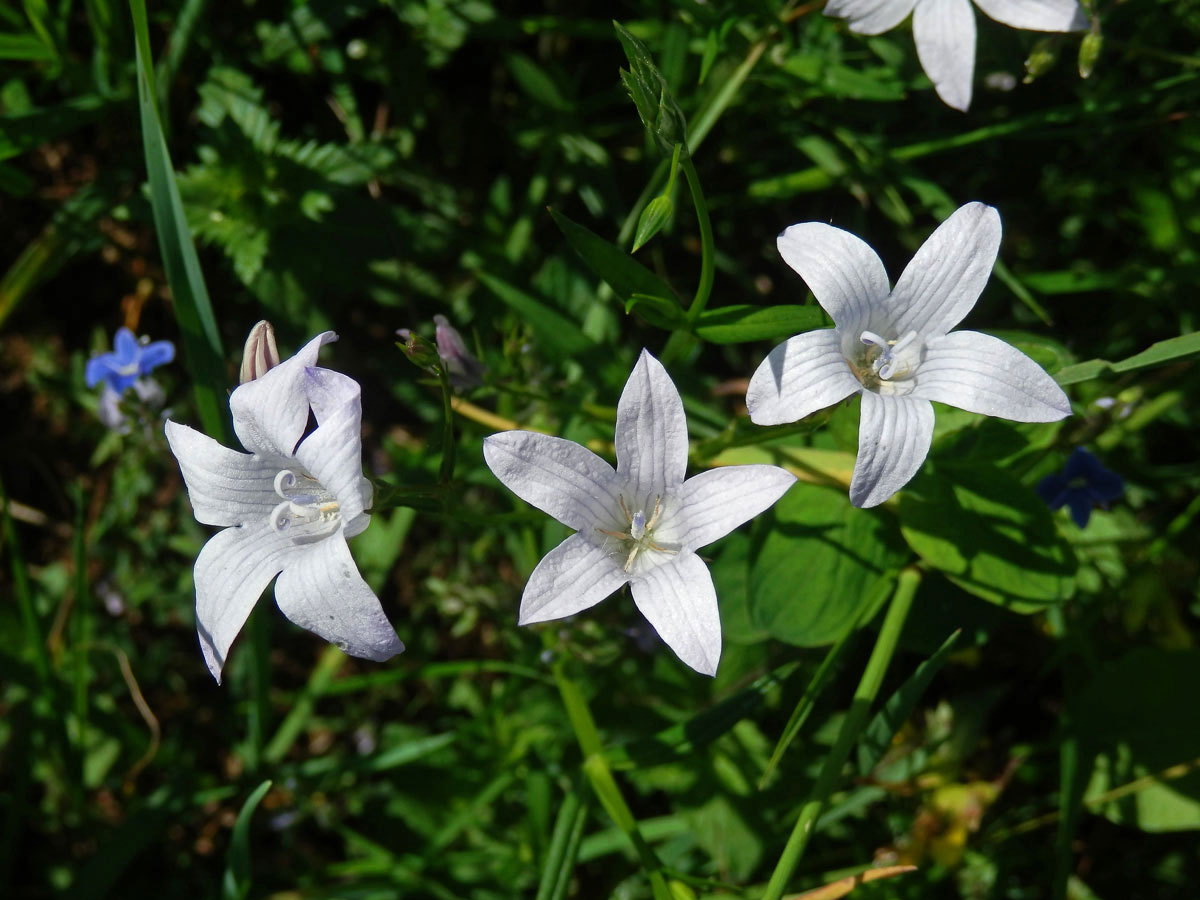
(944, 31)
(287, 508)
(640, 524)
(893, 347)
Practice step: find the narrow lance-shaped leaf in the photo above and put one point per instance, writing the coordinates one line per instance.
(197, 325)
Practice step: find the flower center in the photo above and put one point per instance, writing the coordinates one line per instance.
(308, 511)
(640, 535)
(882, 360)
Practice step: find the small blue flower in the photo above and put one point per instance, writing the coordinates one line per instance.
(1084, 483)
(128, 361)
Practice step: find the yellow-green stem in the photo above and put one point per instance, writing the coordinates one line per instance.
(852, 725)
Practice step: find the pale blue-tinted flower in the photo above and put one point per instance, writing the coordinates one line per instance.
(944, 31)
(639, 525)
(1084, 483)
(287, 508)
(129, 361)
(895, 346)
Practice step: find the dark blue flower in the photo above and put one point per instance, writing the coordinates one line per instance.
(129, 361)
(1084, 483)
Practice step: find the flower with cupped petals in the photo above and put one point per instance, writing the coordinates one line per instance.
(944, 31)
(286, 508)
(641, 523)
(1083, 484)
(895, 347)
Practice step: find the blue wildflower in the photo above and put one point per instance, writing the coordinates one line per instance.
(129, 361)
(1084, 483)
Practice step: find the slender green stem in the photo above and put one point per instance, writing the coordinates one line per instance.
(852, 725)
(446, 473)
(596, 768)
(704, 289)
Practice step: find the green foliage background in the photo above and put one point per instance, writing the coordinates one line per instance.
(363, 166)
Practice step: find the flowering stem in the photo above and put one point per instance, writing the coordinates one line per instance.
(681, 342)
(595, 766)
(446, 474)
(852, 725)
(704, 289)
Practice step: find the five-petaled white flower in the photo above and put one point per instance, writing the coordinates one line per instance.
(944, 31)
(640, 524)
(289, 504)
(894, 349)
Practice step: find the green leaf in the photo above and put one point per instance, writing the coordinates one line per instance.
(1176, 349)
(560, 337)
(1134, 722)
(990, 534)
(25, 47)
(876, 737)
(822, 561)
(236, 885)
(197, 325)
(741, 323)
(624, 274)
(536, 82)
(24, 131)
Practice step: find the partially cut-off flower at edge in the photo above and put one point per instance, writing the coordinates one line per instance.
(896, 349)
(640, 524)
(287, 508)
(944, 31)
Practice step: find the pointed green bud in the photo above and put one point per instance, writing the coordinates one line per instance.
(419, 351)
(655, 104)
(1041, 58)
(656, 214)
(1089, 52)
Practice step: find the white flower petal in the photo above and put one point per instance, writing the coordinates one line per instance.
(983, 374)
(947, 274)
(559, 477)
(870, 16)
(715, 502)
(651, 437)
(271, 412)
(322, 591)
(945, 34)
(232, 571)
(802, 375)
(572, 577)
(679, 600)
(1037, 15)
(845, 275)
(893, 440)
(333, 452)
(226, 487)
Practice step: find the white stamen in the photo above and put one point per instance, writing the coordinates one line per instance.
(310, 512)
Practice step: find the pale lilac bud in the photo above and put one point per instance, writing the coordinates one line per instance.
(464, 369)
(260, 353)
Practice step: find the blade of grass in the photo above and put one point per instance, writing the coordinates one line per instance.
(238, 875)
(197, 325)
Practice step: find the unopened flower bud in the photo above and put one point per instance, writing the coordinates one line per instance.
(652, 219)
(464, 369)
(1089, 52)
(260, 353)
(1041, 58)
(419, 351)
